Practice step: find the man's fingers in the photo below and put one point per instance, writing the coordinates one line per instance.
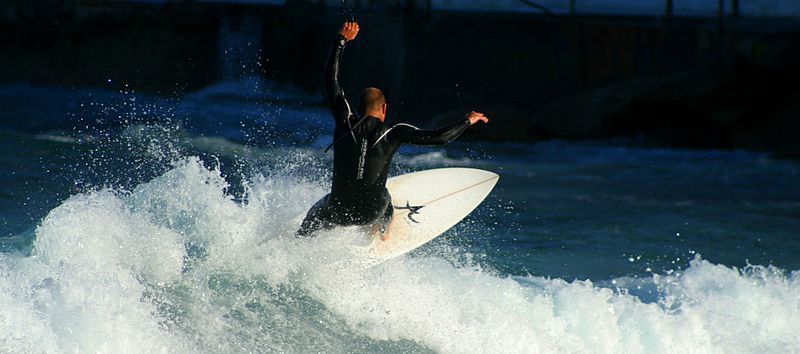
(349, 30)
(480, 118)
(475, 117)
(350, 27)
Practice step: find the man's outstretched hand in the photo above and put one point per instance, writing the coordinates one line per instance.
(475, 117)
(349, 31)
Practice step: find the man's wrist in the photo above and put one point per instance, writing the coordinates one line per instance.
(340, 40)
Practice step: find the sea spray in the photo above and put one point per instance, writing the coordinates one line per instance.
(179, 265)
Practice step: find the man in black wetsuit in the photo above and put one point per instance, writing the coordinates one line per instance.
(363, 149)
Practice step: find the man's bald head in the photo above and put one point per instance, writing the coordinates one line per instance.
(372, 103)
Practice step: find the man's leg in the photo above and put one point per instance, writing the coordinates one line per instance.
(381, 225)
(387, 217)
(314, 220)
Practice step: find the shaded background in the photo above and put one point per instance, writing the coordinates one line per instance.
(157, 156)
(680, 73)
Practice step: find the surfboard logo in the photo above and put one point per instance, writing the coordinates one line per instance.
(411, 210)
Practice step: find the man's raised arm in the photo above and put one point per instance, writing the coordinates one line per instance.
(340, 108)
(412, 135)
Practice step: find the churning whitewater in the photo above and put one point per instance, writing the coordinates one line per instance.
(179, 265)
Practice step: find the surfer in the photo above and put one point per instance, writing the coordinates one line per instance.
(363, 148)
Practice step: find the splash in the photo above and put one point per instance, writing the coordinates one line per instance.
(179, 265)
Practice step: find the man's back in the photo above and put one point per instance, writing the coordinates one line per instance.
(360, 168)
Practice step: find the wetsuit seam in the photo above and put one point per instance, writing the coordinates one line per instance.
(390, 129)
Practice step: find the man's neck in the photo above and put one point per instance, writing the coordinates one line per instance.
(379, 116)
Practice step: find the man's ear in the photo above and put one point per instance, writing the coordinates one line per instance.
(384, 108)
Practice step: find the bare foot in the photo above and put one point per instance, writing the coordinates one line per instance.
(375, 231)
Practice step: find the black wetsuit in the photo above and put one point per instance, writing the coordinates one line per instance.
(363, 150)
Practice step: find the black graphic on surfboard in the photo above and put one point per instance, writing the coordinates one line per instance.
(411, 210)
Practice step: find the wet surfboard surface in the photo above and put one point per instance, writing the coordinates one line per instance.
(426, 204)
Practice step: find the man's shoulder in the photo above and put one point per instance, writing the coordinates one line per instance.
(402, 125)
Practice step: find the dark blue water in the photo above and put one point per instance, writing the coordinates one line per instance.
(157, 223)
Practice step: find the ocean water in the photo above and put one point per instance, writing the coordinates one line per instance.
(131, 223)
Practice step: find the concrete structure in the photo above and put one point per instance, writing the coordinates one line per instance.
(727, 82)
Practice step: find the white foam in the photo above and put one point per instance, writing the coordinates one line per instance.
(82, 288)
(709, 308)
(177, 265)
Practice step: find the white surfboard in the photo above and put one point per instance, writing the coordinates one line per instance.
(426, 204)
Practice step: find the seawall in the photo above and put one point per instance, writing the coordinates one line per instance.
(677, 82)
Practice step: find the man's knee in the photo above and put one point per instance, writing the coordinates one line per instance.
(314, 219)
(308, 227)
